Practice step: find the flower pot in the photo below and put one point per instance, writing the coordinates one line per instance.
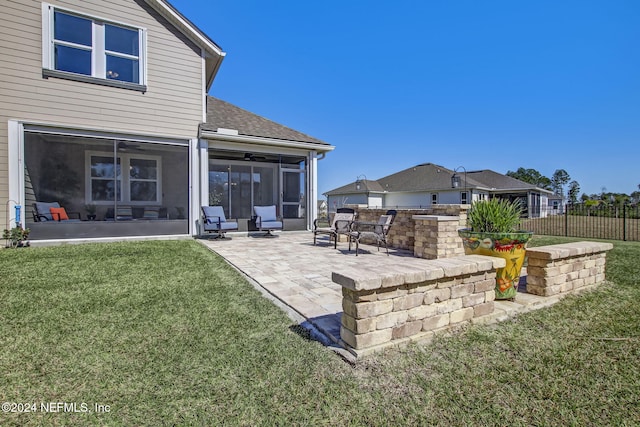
(509, 246)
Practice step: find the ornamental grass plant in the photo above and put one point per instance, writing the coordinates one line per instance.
(495, 216)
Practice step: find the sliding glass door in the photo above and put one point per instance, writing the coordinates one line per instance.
(238, 181)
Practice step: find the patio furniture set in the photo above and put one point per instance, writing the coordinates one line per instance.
(54, 212)
(214, 220)
(344, 222)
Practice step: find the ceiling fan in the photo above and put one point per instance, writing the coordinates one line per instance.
(252, 157)
(124, 146)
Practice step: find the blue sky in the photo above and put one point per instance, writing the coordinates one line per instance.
(480, 84)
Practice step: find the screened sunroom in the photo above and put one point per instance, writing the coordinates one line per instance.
(105, 186)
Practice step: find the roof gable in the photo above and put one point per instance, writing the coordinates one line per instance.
(213, 54)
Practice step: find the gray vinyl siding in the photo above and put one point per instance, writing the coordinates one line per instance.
(172, 105)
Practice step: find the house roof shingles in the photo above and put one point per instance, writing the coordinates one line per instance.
(430, 177)
(222, 114)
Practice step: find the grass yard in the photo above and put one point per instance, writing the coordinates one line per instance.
(165, 333)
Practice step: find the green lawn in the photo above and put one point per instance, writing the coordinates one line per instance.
(165, 333)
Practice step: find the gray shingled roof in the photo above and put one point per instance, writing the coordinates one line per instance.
(430, 177)
(221, 114)
(494, 180)
(372, 186)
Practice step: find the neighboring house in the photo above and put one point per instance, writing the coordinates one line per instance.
(322, 209)
(428, 184)
(556, 204)
(105, 104)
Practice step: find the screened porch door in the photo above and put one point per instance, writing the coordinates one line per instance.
(293, 196)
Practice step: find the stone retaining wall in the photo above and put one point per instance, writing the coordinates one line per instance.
(557, 269)
(382, 308)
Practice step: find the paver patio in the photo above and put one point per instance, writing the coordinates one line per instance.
(297, 273)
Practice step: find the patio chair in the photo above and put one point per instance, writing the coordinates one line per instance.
(393, 214)
(52, 211)
(267, 220)
(340, 224)
(214, 221)
(377, 231)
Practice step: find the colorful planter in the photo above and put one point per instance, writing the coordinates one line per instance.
(509, 246)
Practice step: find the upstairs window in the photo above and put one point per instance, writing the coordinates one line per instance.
(91, 47)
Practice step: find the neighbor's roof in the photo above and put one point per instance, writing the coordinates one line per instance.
(228, 117)
(497, 181)
(369, 185)
(432, 177)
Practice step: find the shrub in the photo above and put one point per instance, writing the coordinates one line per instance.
(16, 237)
(494, 216)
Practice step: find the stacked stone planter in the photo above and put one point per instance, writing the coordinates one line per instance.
(558, 269)
(382, 308)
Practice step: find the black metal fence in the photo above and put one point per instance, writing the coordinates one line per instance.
(597, 222)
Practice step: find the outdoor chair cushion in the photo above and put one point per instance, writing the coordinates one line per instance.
(212, 213)
(215, 220)
(59, 214)
(151, 212)
(266, 218)
(124, 213)
(42, 210)
(266, 213)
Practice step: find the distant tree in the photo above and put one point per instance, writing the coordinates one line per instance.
(559, 180)
(531, 176)
(620, 199)
(585, 197)
(604, 196)
(574, 189)
(635, 197)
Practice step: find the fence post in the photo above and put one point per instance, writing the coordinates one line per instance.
(624, 222)
(566, 220)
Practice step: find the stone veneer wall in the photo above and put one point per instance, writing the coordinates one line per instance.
(403, 232)
(382, 308)
(557, 269)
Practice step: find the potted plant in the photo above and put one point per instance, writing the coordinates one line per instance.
(91, 211)
(17, 237)
(493, 230)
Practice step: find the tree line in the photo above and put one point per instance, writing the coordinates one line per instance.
(561, 180)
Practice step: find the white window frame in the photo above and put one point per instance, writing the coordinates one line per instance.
(98, 50)
(434, 198)
(125, 179)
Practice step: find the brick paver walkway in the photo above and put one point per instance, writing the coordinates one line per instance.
(293, 270)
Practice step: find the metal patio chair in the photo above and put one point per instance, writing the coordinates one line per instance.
(267, 220)
(340, 224)
(214, 221)
(371, 230)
